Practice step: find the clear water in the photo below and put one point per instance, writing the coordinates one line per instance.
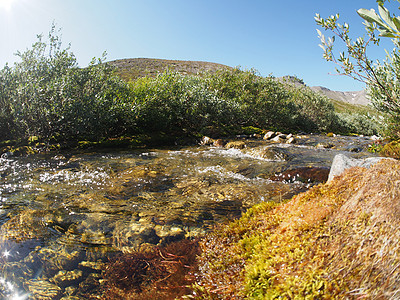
(62, 215)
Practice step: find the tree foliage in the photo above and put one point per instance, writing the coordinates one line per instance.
(47, 95)
(381, 78)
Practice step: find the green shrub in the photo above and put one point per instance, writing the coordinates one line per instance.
(263, 102)
(47, 95)
(365, 124)
(175, 103)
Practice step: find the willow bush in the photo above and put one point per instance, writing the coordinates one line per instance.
(174, 103)
(47, 95)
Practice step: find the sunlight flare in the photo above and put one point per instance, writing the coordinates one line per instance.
(6, 4)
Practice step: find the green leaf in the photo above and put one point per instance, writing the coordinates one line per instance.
(386, 16)
(371, 16)
(386, 33)
(396, 21)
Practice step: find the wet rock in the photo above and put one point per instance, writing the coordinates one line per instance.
(269, 135)
(305, 174)
(291, 140)
(131, 236)
(270, 153)
(354, 149)
(16, 271)
(71, 298)
(218, 143)
(89, 286)
(169, 234)
(342, 162)
(278, 139)
(69, 291)
(244, 170)
(236, 145)
(27, 224)
(93, 265)
(43, 290)
(206, 141)
(95, 229)
(64, 278)
(324, 146)
(54, 258)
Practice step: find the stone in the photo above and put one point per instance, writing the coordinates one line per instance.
(43, 290)
(303, 174)
(206, 141)
(270, 153)
(65, 278)
(218, 143)
(375, 138)
(236, 145)
(324, 146)
(278, 139)
(291, 140)
(269, 135)
(341, 163)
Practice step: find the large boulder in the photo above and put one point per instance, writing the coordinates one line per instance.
(342, 162)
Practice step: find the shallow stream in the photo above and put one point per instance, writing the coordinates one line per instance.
(62, 215)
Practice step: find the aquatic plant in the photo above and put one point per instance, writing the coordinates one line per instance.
(154, 273)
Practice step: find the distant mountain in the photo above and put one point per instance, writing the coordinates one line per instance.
(355, 98)
(133, 68)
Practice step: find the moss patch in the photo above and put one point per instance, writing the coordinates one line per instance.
(337, 240)
(391, 149)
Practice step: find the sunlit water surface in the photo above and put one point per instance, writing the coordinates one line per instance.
(61, 216)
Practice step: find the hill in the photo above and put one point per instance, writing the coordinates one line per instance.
(356, 97)
(133, 68)
(353, 97)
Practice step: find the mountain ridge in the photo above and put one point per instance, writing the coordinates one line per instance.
(134, 68)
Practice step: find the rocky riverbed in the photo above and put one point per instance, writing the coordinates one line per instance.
(63, 216)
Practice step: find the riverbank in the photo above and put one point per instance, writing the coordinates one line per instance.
(337, 240)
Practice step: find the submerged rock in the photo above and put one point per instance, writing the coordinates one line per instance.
(44, 290)
(236, 145)
(270, 153)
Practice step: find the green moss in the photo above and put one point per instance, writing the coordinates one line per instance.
(250, 130)
(321, 244)
(391, 149)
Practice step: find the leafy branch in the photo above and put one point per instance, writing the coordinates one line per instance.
(355, 62)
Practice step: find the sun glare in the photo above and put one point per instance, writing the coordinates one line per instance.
(6, 4)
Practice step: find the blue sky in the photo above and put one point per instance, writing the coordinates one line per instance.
(273, 37)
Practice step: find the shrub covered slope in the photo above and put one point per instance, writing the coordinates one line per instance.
(46, 95)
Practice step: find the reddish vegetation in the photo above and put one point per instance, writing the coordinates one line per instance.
(156, 273)
(305, 174)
